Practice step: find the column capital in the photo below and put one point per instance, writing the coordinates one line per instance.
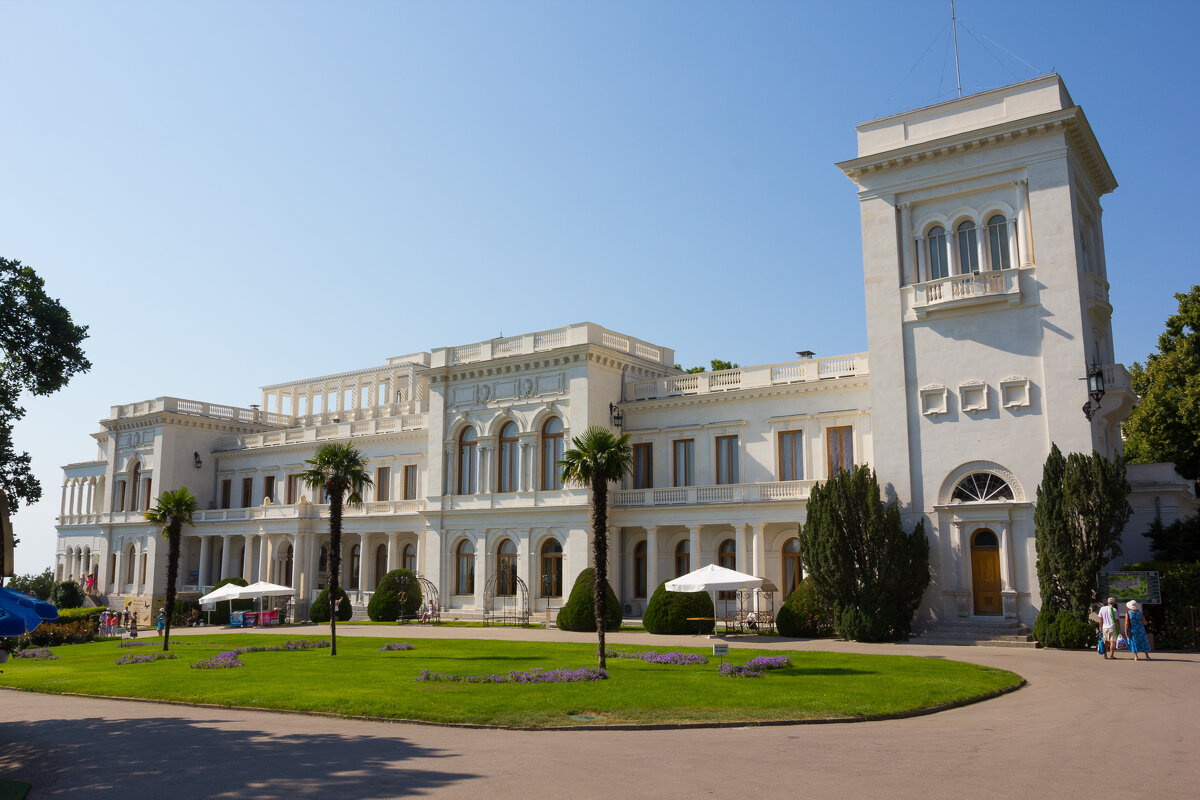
(905, 206)
(1021, 182)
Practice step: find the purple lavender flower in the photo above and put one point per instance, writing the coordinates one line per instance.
(535, 675)
(37, 654)
(396, 646)
(674, 657)
(143, 658)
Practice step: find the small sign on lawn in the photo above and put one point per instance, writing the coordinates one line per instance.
(721, 649)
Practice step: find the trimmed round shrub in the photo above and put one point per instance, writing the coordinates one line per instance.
(220, 614)
(397, 596)
(1045, 628)
(320, 607)
(579, 614)
(668, 612)
(1075, 633)
(854, 623)
(805, 614)
(67, 594)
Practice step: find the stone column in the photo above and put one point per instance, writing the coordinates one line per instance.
(247, 559)
(393, 552)
(951, 252)
(364, 559)
(906, 260)
(481, 568)
(922, 271)
(62, 506)
(739, 544)
(139, 575)
(1024, 238)
(981, 245)
(484, 470)
(205, 559)
(226, 558)
(430, 561)
(614, 562)
(694, 547)
(91, 489)
(651, 560)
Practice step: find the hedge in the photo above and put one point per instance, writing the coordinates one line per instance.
(320, 607)
(804, 614)
(579, 613)
(668, 612)
(397, 596)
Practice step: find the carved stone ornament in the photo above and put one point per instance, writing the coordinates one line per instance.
(485, 393)
(525, 387)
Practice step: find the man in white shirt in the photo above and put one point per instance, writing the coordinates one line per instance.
(1108, 628)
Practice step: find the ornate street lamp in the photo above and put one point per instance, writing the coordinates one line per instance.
(615, 413)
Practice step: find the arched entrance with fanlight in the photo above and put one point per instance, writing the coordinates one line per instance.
(985, 573)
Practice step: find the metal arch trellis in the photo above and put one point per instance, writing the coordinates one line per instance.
(756, 608)
(429, 593)
(509, 608)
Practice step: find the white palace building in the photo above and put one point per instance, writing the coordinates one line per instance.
(987, 307)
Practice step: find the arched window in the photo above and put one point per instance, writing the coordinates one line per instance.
(639, 570)
(323, 561)
(380, 564)
(135, 480)
(552, 554)
(968, 248)
(464, 572)
(683, 558)
(355, 563)
(506, 458)
(727, 558)
(985, 539)
(998, 242)
(552, 453)
(791, 566)
(506, 568)
(982, 487)
(130, 564)
(939, 257)
(410, 557)
(468, 464)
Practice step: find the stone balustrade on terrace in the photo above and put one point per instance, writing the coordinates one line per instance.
(802, 371)
(197, 408)
(544, 341)
(722, 493)
(958, 290)
(293, 511)
(344, 429)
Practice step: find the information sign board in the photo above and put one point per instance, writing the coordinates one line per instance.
(1124, 586)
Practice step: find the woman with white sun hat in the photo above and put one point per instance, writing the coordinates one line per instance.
(1135, 631)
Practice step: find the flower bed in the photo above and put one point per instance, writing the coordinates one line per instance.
(143, 658)
(755, 667)
(36, 654)
(535, 675)
(389, 646)
(654, 657)
(229, 658)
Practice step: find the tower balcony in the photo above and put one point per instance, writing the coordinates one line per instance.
(965, 290)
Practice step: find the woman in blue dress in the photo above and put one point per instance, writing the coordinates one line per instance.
(1135, 631)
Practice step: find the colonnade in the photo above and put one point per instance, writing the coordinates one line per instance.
(81, 496)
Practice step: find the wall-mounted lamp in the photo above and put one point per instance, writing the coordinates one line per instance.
(1095, 384)
(196, 462)
(615, 414)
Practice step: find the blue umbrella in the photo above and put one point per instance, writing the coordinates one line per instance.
(20, 613)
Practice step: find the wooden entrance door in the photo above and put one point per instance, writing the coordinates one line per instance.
(985, 573)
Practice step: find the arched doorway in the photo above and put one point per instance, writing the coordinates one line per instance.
(985, 573)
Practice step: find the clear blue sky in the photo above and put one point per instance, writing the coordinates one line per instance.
(234, 194)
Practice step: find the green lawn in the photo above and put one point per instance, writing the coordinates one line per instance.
(360, 681)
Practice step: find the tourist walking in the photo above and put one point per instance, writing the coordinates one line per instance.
(162, 621)
(132, 624)
(1109, 620)
(1135, 631)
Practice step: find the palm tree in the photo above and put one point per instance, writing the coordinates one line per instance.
(338, 469)
(170, 512)
(598, 457)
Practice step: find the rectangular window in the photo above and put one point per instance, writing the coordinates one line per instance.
(383, 477)
(119, 500)
(410, 482)
(791, 456)
(684, 468)
(841, 449)
(269, 487)
(727, 459)
(226, 492)
(247, 492)
(643, 466)
(293, 489)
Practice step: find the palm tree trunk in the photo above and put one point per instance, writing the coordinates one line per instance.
(600, 555)
(173, 531)
(335, 561)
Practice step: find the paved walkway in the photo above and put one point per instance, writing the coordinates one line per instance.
(1082, 727)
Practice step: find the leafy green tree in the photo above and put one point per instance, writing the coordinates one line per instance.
(598, 458)
(171, 512)
(66, 594)
(717, 365)
(1082, 507)
(341, 470)
(1179, 541)
(38, 586)
(41, 352)
(853, 546)
(1165, 424)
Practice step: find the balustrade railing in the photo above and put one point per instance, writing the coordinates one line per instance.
(986, 285)
(809, 369)
(582, 333)
(724, 493)
(196, 408)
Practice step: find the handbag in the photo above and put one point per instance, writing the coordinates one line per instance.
(1100, 645)
(1121, 643)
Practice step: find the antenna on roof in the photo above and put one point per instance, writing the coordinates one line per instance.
(954, 30)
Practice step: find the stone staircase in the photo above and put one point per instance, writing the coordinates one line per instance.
(975, 632)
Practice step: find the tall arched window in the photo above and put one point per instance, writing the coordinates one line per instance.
(135, 480)
(410, 557)
(380, 564)
(468, 464)
(506, 458)
(506, 568)
(998, 242)
(939, 257)
(727, 558)
(355, 563)
(552, 554)
(552, 453)
(683, 558)
(639, 570)
(791, 566)
(130, 564)
(968, 248)
(464, 568)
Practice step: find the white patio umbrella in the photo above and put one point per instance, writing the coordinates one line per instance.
(711, 578)
(230, 592)
(263, 589)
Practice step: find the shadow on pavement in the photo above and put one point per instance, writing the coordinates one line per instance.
(167, 757)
